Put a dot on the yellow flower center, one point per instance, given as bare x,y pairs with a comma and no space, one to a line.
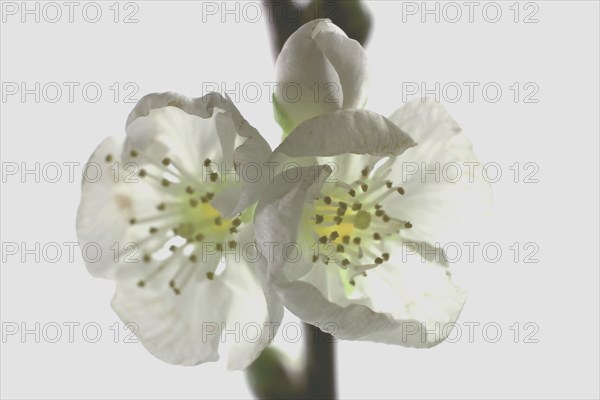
347,226
187,226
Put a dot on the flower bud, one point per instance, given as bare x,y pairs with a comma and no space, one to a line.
319,70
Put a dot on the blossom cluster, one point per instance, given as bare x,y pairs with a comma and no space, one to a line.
181,199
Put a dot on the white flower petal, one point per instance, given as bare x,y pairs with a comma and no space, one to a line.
189,131
179,329
186,328
413,288
256,311
278,213
253,315
346,131
110,197
436,203
349,60
319,70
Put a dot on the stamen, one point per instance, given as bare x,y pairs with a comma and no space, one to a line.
150,218
343,185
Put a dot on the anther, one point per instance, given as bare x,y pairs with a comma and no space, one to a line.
132,221
108,158
343,205
365,172
315,258
193,202
142,173
147,258
152,230
161,206
199,237
352,192
340,248
232,244
165,182
386,218
389,184
214,176
400,190
218,221
141,283
376,236
166,161
346,239
323,239
345,262
210,275
364,187
193,258
408,225
327,200
207,162
173,248
318,218
189,190
133,153
356,206
356,240
236,222
386,256
379,260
